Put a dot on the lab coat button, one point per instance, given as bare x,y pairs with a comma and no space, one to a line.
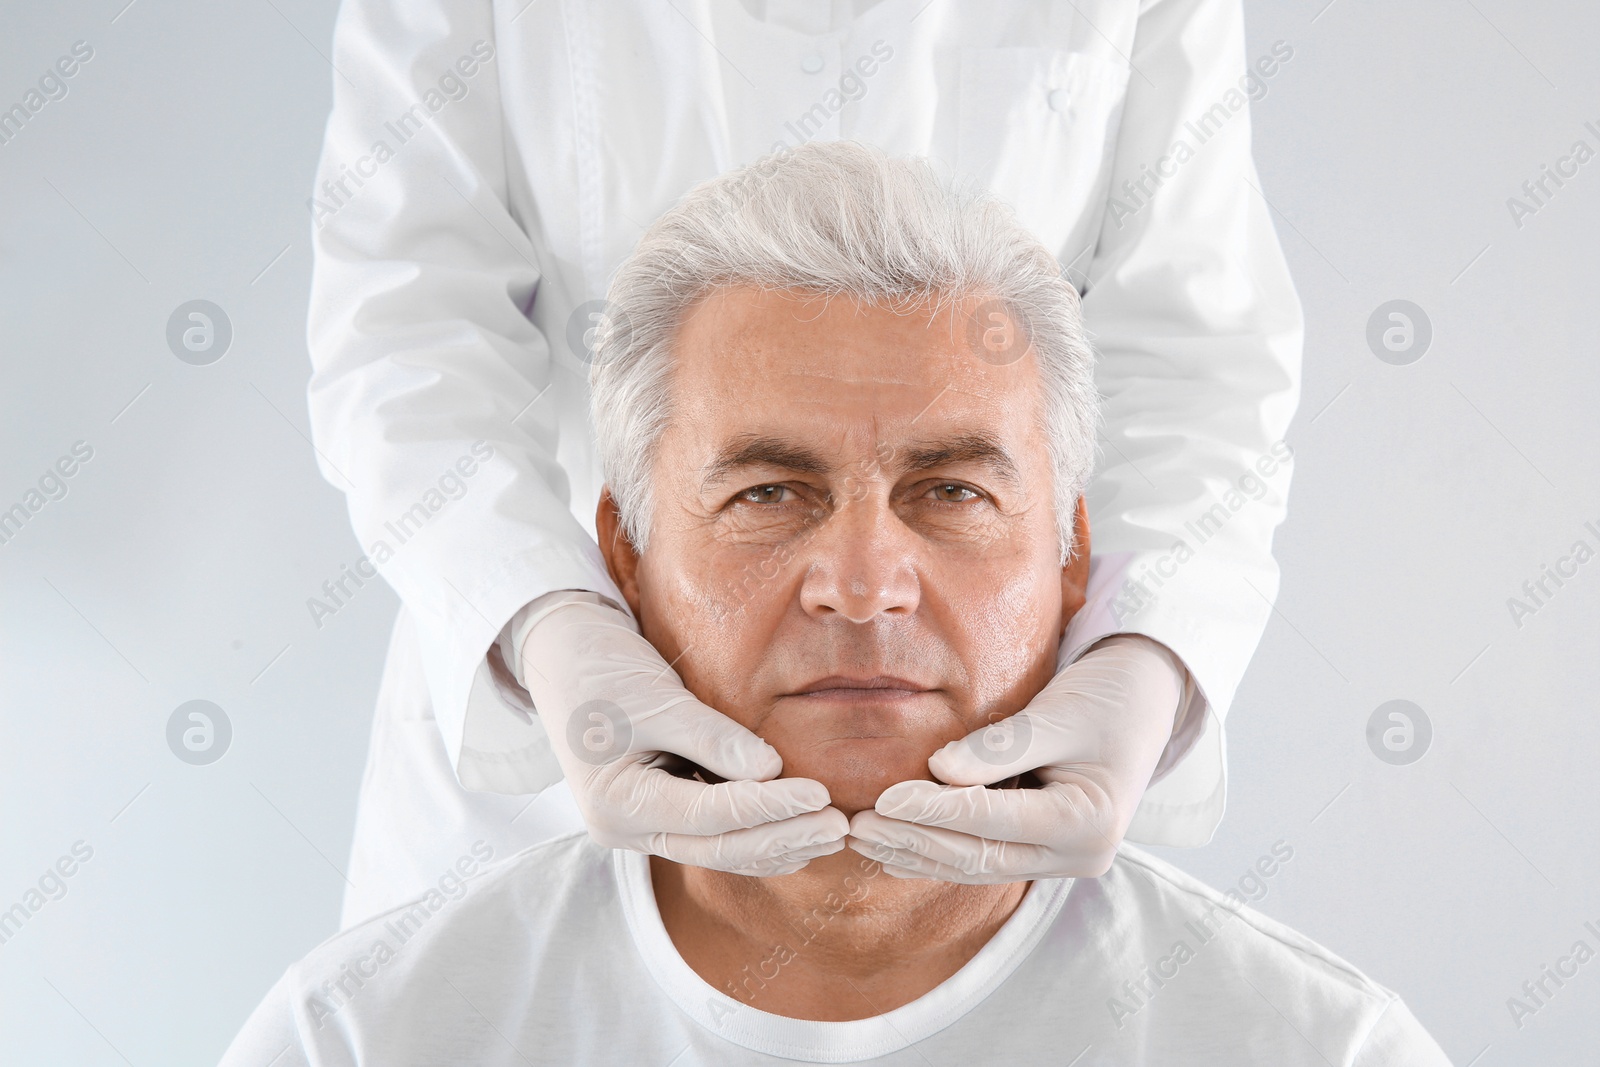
1058,99
811,64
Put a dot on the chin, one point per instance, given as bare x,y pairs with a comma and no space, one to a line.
857,770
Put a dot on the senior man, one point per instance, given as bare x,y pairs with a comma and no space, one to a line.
846,414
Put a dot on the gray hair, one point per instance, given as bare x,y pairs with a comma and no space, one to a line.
837,217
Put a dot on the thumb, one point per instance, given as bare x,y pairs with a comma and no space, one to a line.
991,753
706,736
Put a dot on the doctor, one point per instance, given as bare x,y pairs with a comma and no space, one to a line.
486,167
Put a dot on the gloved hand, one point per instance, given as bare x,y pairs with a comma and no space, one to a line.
1093,736
616,714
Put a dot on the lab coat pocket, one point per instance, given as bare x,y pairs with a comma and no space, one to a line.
1038,126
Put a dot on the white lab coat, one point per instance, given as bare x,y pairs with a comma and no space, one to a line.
488,165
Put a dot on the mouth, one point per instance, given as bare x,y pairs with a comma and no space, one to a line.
876,687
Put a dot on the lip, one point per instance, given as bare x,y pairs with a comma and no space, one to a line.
877,685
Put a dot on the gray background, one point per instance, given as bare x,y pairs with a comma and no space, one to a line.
178,565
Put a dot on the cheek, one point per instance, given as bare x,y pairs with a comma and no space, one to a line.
1004,618
712,588
713,614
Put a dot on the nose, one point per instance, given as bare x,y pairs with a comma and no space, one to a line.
860,563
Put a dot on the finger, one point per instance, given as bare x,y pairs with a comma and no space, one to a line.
796,840
1045,732
794,861
898,863
706,736
1102,711
651,800
1072,816
973,860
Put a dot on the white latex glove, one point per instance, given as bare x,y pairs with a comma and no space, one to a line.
616,713
1093,736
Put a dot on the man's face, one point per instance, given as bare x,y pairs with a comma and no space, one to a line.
854,549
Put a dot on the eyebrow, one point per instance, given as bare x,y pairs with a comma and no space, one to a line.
977,447
754,450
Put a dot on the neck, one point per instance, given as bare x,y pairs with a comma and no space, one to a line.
841,939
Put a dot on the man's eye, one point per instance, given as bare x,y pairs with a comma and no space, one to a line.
764,494
951,493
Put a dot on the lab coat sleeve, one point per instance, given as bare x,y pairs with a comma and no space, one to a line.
426,369
1398,1038
1198,329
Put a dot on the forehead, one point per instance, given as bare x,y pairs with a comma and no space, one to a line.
835,370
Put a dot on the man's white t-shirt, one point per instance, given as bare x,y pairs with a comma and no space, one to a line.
558,956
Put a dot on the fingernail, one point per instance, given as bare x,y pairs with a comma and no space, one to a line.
900,872
898,808
944,763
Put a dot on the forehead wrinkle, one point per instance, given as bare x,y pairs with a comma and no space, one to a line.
852,379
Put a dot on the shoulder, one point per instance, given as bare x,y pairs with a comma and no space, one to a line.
1237,963
363,985
1199,910
526,885
527,900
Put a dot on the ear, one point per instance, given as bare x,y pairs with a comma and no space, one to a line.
1075,575
622,560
